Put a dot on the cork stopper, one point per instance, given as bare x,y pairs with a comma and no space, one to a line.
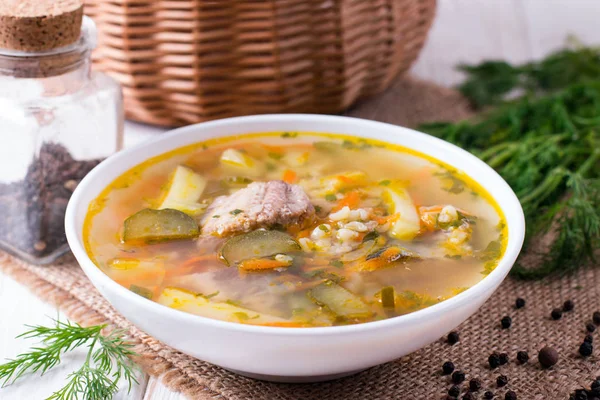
39,25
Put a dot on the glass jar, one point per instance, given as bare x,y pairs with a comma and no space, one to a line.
58,120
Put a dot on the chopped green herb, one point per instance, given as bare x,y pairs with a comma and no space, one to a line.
233,302
331,197
236,211
388,297
237,180
458,290
492,251
336,263
275,156
370,236
454,256
142,291
271,167
457,185
360,144
324,228
289,134
329,147
210,296
242,316
298,311
216,216
318,209
385,182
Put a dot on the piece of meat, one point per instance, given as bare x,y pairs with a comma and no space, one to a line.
259,205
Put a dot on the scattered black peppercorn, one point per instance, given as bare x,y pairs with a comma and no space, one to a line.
580,394
468,396
458,377
503,358
453,338
588,338
547,357
586,349
568,305
488,395
596,317
447,368
556,314
506,322
502,380
520,303
474,385
522,357
494,360
454,391
510,395
590,327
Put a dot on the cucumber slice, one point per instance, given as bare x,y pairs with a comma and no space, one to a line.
257,244
340,301
155,226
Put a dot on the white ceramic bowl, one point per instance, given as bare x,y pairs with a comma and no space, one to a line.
295,354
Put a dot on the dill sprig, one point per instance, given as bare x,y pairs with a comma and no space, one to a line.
546,145
489,82
107,361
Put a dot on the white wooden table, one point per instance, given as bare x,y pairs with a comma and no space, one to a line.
464,31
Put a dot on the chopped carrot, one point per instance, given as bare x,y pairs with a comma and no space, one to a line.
351,200
388,218
195,260
261,264
304,233
345,179
289,176
287,278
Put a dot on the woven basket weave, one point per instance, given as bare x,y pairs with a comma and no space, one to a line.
185,61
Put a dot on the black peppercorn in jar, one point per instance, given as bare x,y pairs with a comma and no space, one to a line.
59,119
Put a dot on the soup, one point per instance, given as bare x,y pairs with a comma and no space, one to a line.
295,230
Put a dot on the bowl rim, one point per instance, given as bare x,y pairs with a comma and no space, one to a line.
482,288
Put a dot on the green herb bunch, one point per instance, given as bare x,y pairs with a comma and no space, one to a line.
545,144
106,364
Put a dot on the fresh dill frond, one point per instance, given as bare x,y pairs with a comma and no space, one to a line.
107,361
545,144
490,82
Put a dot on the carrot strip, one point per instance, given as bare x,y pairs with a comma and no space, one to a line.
289,176
351,200
194,260
309,285
261,264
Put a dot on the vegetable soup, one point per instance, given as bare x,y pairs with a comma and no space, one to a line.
295,230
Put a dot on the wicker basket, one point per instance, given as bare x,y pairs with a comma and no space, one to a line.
185,61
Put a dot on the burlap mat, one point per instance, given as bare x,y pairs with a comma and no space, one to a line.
416,376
